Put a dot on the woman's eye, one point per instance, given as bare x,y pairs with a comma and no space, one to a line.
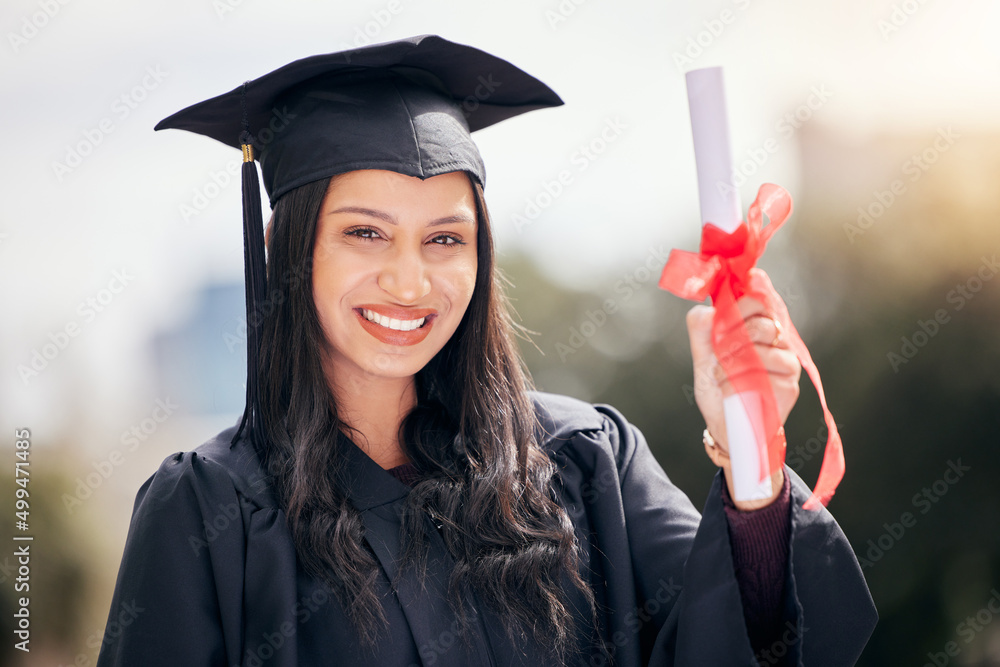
362,233
447,239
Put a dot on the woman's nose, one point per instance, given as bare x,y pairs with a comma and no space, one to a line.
404,277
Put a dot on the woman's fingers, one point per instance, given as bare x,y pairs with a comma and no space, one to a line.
707,392
780,363
777,363
699,321
764,334
711,381
765,330
762,327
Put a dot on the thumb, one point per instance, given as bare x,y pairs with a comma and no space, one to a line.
699,323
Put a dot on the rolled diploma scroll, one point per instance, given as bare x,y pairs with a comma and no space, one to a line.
720,205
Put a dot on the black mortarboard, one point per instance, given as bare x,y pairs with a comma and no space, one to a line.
406,106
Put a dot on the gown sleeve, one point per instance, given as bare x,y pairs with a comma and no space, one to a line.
830,610
180,573
759,540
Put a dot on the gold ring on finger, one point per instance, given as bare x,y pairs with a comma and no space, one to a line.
777,332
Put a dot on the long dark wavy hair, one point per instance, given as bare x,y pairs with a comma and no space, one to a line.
471,435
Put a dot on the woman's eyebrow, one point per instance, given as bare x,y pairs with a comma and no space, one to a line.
387,218
372,213
447,220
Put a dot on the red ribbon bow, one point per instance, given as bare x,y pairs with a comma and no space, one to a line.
725,270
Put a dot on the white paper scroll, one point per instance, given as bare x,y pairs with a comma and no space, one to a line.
720,205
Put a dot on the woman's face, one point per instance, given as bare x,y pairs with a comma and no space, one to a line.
394,269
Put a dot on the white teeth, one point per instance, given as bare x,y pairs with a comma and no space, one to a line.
388,323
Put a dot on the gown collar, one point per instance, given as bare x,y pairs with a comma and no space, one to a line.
370,485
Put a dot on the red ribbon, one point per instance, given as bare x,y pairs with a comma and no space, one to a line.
725,270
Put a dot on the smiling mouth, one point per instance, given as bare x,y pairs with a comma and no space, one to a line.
391,323
394,331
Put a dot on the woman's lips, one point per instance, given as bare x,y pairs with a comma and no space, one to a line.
396,326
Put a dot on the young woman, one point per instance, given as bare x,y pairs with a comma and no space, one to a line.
396,493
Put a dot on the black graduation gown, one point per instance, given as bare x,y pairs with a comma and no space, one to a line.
209,574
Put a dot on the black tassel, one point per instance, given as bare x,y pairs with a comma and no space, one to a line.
256,291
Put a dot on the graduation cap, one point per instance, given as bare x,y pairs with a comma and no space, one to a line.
406,106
